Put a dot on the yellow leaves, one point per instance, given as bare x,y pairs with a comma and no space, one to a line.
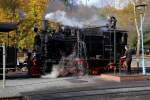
33,9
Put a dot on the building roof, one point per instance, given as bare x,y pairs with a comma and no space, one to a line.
7,27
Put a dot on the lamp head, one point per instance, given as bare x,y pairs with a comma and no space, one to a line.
140,7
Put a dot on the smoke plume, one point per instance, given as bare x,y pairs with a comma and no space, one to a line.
77,16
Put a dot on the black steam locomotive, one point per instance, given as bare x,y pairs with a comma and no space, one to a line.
98,46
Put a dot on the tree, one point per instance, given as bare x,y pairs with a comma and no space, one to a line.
33,10
125,20
138,32
146,26
10,7
128,20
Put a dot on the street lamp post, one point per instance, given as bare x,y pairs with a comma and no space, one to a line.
141,9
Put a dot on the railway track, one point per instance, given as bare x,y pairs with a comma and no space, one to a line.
86,94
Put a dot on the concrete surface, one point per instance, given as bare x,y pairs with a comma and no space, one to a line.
46,88
60,88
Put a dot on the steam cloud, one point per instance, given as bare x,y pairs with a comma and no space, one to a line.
64,19
77,15
61,17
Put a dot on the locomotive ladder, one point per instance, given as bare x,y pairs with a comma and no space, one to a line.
81,50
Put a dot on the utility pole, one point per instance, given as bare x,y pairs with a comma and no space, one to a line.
86,2
142,44
4,65
140,8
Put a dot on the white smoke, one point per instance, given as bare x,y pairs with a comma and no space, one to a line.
64,19
61,17
54,73
95,20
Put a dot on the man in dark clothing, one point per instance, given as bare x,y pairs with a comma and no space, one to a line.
128,57
112,22
37,42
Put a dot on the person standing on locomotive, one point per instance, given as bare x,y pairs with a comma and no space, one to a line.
128,57
112,21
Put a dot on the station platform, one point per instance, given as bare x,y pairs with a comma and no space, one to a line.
30,88
124,77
